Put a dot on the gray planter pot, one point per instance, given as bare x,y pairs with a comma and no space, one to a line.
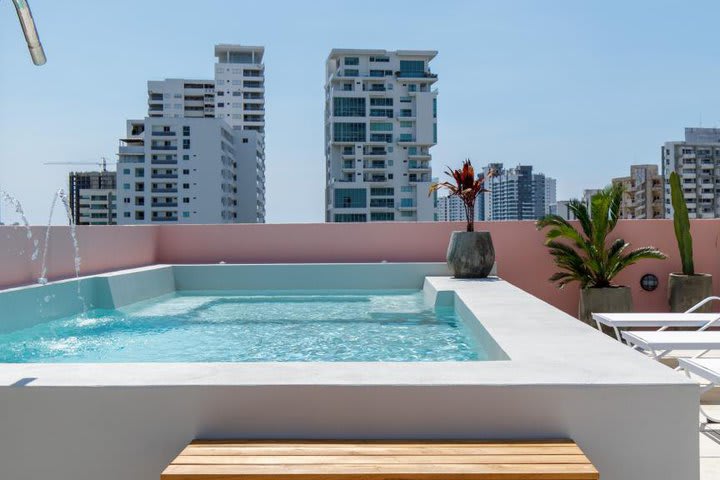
603,300
470,254
684,291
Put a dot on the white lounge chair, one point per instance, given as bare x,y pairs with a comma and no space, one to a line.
661,321
660,344
709,370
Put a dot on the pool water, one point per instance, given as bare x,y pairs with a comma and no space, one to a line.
355,326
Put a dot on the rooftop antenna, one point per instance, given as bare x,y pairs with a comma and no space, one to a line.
31,36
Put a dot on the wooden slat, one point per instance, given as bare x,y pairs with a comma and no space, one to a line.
385,472
364,443
373,450
381,460
374,460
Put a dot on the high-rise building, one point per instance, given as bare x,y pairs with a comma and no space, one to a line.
517,193
642,193
380,123
93,198
188,170
452,209
231,107
240,86
695,160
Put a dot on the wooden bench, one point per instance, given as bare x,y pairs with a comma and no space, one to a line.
380,460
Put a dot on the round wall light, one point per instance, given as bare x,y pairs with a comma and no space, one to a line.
649,282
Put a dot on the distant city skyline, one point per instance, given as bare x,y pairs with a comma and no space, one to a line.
572,88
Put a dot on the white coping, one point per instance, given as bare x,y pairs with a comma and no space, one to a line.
545,347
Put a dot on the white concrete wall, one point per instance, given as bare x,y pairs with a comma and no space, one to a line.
73,433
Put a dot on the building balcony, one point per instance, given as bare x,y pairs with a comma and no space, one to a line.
162,134
163,147
164,219
164,175
132,150
164,190
164,162
163,204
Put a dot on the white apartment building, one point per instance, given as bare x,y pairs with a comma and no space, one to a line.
93,198
452,209
187,170
517,193
240,86
697,161
642,193
380,123
237,97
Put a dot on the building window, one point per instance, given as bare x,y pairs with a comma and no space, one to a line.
186,171
350,198
350,217
412,68
348,107
245,140
186,185
352,72
349,132
186,199
406,124
381,127
381,216
126,186
381,102
186,214
186,131
352,60
126,214
186,143
434,107
126,171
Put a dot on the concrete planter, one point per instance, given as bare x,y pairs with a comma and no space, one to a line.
599,300
470,254
684,291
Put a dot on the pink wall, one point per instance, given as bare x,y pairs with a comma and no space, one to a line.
522,258
102,249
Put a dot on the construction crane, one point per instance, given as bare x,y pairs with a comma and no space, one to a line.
103,163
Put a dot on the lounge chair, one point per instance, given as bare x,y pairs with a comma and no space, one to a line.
661,321
706,368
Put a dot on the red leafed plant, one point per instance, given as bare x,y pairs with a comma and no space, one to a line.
467,186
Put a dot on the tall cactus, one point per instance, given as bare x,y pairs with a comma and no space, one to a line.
682,225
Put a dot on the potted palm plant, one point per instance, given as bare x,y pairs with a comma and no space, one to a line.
470,254
687,288
587,256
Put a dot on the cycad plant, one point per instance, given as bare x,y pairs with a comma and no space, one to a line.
466,186
586,255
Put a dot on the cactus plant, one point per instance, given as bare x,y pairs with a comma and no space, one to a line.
682,225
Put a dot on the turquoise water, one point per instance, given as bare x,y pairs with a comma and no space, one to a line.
259,327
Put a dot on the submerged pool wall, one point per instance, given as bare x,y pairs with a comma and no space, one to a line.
23,307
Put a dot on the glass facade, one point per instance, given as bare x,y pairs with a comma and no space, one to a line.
381,127
382,192
349,132
348,107
350,217
352,60
350,198
382,216
412,68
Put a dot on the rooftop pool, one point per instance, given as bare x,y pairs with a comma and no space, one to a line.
253,326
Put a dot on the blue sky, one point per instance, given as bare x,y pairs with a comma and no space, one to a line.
580,90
